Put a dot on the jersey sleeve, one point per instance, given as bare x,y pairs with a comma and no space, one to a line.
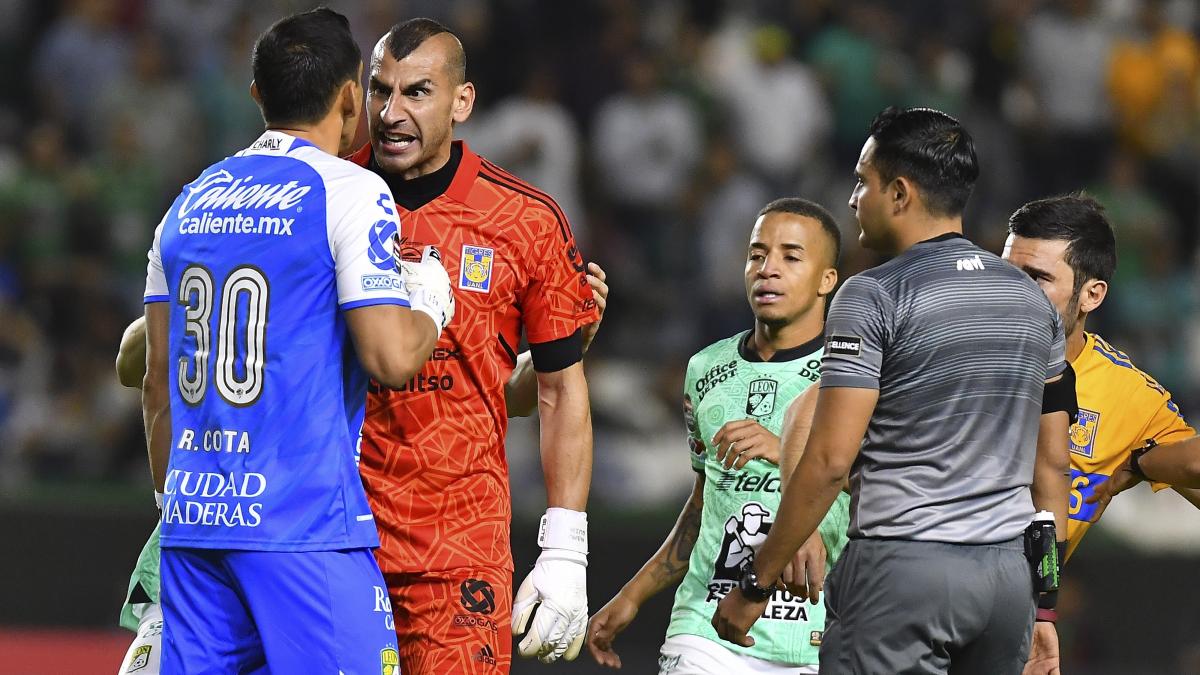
557,300
363,226
856,334
694,441
1166,423
1058,347
156,279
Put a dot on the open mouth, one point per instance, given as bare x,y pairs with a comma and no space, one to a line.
767,296
396,142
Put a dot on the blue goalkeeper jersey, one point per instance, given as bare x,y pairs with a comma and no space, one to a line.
258,258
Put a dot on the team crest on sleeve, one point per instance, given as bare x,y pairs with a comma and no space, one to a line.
1083,432
475,272
760,402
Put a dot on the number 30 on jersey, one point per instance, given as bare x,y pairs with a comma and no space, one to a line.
245,289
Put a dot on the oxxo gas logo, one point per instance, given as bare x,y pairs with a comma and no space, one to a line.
479,598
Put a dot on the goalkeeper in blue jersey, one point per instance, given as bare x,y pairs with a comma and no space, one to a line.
736,395
272,293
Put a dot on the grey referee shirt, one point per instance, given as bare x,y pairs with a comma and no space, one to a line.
959,344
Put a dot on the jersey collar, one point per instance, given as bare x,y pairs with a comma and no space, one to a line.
275,143
453,180
781,356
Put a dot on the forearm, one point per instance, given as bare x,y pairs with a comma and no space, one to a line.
1174,463
1051,488
156,414
521,390
667,567
811,490
566,437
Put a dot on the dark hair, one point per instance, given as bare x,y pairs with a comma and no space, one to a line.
1080,221
407,36
299,64
931,149
809,209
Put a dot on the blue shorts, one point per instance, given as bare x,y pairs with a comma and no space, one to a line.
275,612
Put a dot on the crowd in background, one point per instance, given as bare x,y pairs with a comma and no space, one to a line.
661,126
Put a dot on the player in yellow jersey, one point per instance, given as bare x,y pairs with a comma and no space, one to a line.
1066,244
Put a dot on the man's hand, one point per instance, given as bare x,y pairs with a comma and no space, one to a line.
740,441
1043,653
595,278
1122,479
734,617
428,286
551,604
804,576
606,625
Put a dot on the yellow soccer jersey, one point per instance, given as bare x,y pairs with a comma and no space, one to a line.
1119,408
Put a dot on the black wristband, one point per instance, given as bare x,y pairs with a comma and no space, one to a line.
1048,600
1135,457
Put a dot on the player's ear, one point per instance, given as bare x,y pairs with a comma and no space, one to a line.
829,279
254,94
464,102
348,100
901,191
1092,295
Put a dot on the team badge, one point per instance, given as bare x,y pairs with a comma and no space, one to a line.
814,638
1083,433
141,658
389,660
761,400
476,268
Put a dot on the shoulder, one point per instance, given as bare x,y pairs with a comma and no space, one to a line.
534,204
342,177
1117,370
722,350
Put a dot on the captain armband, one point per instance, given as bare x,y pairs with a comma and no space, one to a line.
1059,395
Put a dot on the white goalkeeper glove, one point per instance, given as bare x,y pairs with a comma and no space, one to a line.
551,603
428,286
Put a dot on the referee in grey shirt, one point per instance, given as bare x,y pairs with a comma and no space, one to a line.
936,365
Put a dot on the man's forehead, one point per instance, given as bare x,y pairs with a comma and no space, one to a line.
1046,250
423,60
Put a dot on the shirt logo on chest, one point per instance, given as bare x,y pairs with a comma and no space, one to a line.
475,272
760,402
1083,433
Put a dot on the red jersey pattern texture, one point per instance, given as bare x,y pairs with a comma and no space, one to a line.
433,456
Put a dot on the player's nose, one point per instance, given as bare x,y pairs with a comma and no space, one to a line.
393,112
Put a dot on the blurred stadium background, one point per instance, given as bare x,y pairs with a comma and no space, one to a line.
661,126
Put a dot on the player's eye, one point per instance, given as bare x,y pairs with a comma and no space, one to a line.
755,257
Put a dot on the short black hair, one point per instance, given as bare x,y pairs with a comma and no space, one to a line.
407,36
810,209
930,148
299,64
1079,220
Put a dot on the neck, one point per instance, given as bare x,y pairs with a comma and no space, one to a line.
429,166
925,229
1075,341
768,339
326,134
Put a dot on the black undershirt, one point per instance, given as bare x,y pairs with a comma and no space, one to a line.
414,193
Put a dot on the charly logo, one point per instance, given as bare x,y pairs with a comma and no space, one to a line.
380,249
219,190
477,596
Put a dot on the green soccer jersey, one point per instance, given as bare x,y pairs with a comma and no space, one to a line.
728,382
145,574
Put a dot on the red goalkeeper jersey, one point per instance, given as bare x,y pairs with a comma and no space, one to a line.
433,451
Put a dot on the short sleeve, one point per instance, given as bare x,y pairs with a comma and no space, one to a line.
1058,347
856,334
363,226
557,300
1166,423
156,279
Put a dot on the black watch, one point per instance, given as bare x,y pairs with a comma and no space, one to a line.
749,587
1135,457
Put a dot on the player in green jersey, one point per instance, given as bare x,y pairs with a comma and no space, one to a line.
736,394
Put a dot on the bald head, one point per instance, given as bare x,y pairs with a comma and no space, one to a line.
406,37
